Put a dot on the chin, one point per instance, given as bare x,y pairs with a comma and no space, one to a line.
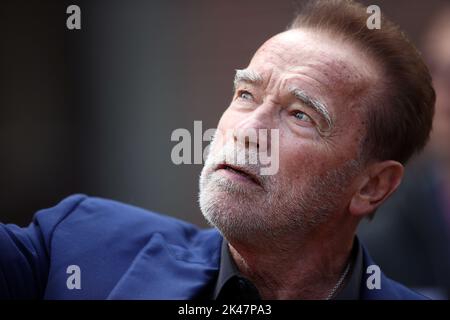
234,214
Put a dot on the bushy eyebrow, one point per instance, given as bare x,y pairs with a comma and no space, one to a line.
315,104
253,77
248,76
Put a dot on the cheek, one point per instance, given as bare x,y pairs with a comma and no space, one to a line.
299,160
302,160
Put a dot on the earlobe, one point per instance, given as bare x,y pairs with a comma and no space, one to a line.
380,181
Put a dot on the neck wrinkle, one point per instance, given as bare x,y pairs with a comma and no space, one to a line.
302,269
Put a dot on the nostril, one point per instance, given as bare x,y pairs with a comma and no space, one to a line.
247,138
247,142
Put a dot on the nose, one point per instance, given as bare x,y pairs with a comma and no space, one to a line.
254,129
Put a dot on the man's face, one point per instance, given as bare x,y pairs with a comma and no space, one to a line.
318,157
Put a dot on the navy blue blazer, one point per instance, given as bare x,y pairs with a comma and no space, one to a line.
123,252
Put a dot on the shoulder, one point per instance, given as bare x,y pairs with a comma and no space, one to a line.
86,224
92,213
106,239
401,292
385,288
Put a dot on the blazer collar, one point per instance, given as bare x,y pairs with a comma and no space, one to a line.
162,270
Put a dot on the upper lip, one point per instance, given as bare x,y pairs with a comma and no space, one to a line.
241,170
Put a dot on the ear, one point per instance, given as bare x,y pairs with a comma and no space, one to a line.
379,181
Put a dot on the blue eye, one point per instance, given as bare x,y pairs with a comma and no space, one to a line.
245,95
302,116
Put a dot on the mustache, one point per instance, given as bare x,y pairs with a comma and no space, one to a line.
247,149
245,159
233,153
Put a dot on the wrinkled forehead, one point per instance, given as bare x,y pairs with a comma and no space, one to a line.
329,63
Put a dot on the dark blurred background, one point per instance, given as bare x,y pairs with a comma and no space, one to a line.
92,110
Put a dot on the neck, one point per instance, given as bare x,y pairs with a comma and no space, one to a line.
307,267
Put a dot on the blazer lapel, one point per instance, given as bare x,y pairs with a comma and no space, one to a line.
165,271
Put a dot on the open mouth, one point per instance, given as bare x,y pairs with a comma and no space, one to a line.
241,172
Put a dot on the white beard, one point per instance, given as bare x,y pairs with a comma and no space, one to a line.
251,215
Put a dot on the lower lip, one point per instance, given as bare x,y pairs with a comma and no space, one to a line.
236,176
